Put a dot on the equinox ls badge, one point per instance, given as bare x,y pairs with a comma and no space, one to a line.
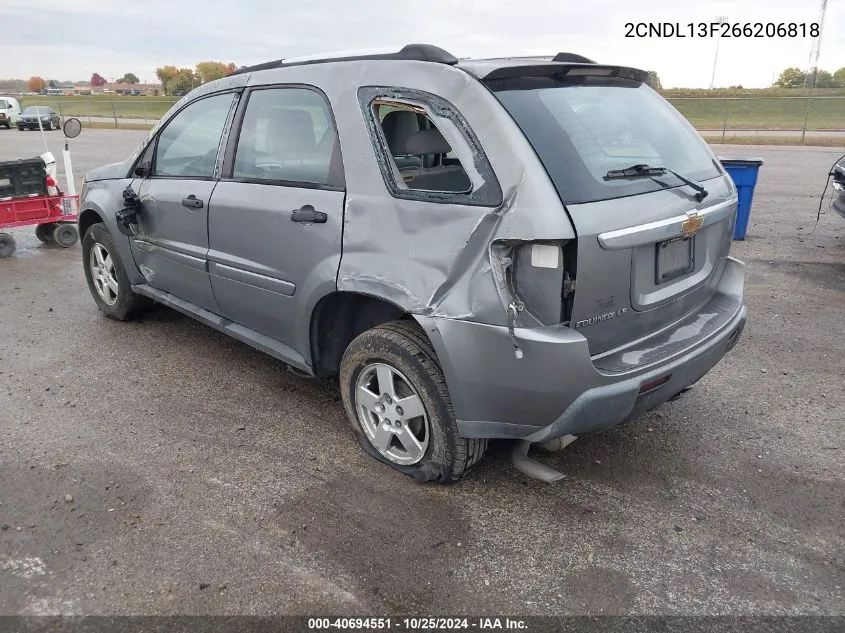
601,317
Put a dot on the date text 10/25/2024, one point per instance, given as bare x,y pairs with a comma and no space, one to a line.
722,29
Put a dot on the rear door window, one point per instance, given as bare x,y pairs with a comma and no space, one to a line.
288,136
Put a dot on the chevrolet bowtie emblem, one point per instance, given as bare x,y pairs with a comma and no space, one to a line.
692,224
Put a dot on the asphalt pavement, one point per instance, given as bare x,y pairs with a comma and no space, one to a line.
159,467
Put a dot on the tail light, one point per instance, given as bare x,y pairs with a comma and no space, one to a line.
543,277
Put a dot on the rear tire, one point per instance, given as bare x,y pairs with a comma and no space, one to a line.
65,235
400,350
123,304
7,245
44,232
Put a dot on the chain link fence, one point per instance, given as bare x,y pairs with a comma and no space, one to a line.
727,118
120,112
796,119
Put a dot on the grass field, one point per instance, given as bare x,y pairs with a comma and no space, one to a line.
762,113
152,108
767,109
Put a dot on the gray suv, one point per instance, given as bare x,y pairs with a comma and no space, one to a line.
524,248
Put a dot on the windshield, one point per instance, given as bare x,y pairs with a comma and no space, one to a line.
583,128
36,110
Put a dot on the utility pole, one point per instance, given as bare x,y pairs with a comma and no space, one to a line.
815,49
814,55
722,19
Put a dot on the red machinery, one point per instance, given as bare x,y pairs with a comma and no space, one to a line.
29,195
54,218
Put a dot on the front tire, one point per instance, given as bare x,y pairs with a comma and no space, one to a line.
106,276
396,398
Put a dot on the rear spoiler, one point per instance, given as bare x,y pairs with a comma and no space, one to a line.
557,69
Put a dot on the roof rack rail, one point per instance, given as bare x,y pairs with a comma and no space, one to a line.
412,52
572,58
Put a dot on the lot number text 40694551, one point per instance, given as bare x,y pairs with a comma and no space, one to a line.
721,29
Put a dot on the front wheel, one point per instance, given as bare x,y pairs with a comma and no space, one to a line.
396,398
106,276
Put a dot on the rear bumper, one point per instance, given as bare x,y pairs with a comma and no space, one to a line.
604,407
555,389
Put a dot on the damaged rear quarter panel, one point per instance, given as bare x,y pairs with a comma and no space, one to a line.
432,258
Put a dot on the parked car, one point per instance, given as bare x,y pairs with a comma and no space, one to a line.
468,255
10,110
28,119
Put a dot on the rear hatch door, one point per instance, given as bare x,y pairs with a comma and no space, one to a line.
649,251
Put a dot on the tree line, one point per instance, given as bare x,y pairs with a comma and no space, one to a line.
796,78
177,81
173,80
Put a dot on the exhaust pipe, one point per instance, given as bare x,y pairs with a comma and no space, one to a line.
533,468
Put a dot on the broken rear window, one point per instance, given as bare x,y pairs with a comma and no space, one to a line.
426,150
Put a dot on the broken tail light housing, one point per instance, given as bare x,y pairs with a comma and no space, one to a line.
543,277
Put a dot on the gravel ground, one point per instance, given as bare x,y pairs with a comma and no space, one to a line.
161,467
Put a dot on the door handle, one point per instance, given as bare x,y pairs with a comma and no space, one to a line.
307,213
192,202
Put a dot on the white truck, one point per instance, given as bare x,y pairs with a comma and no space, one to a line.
10,110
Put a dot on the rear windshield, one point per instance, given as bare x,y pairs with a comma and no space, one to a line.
584,127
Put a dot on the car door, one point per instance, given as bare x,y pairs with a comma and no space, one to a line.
171,244
276,218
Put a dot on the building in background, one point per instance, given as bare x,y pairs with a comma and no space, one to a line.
120,89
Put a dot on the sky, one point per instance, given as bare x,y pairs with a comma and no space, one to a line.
75,38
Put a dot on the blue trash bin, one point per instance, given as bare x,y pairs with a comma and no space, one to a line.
743,171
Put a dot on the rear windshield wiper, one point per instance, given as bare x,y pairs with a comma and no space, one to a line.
636,171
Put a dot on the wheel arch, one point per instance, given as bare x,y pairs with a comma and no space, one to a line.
87,219
94,213
338,318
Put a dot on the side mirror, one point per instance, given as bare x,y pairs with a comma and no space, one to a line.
126,217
